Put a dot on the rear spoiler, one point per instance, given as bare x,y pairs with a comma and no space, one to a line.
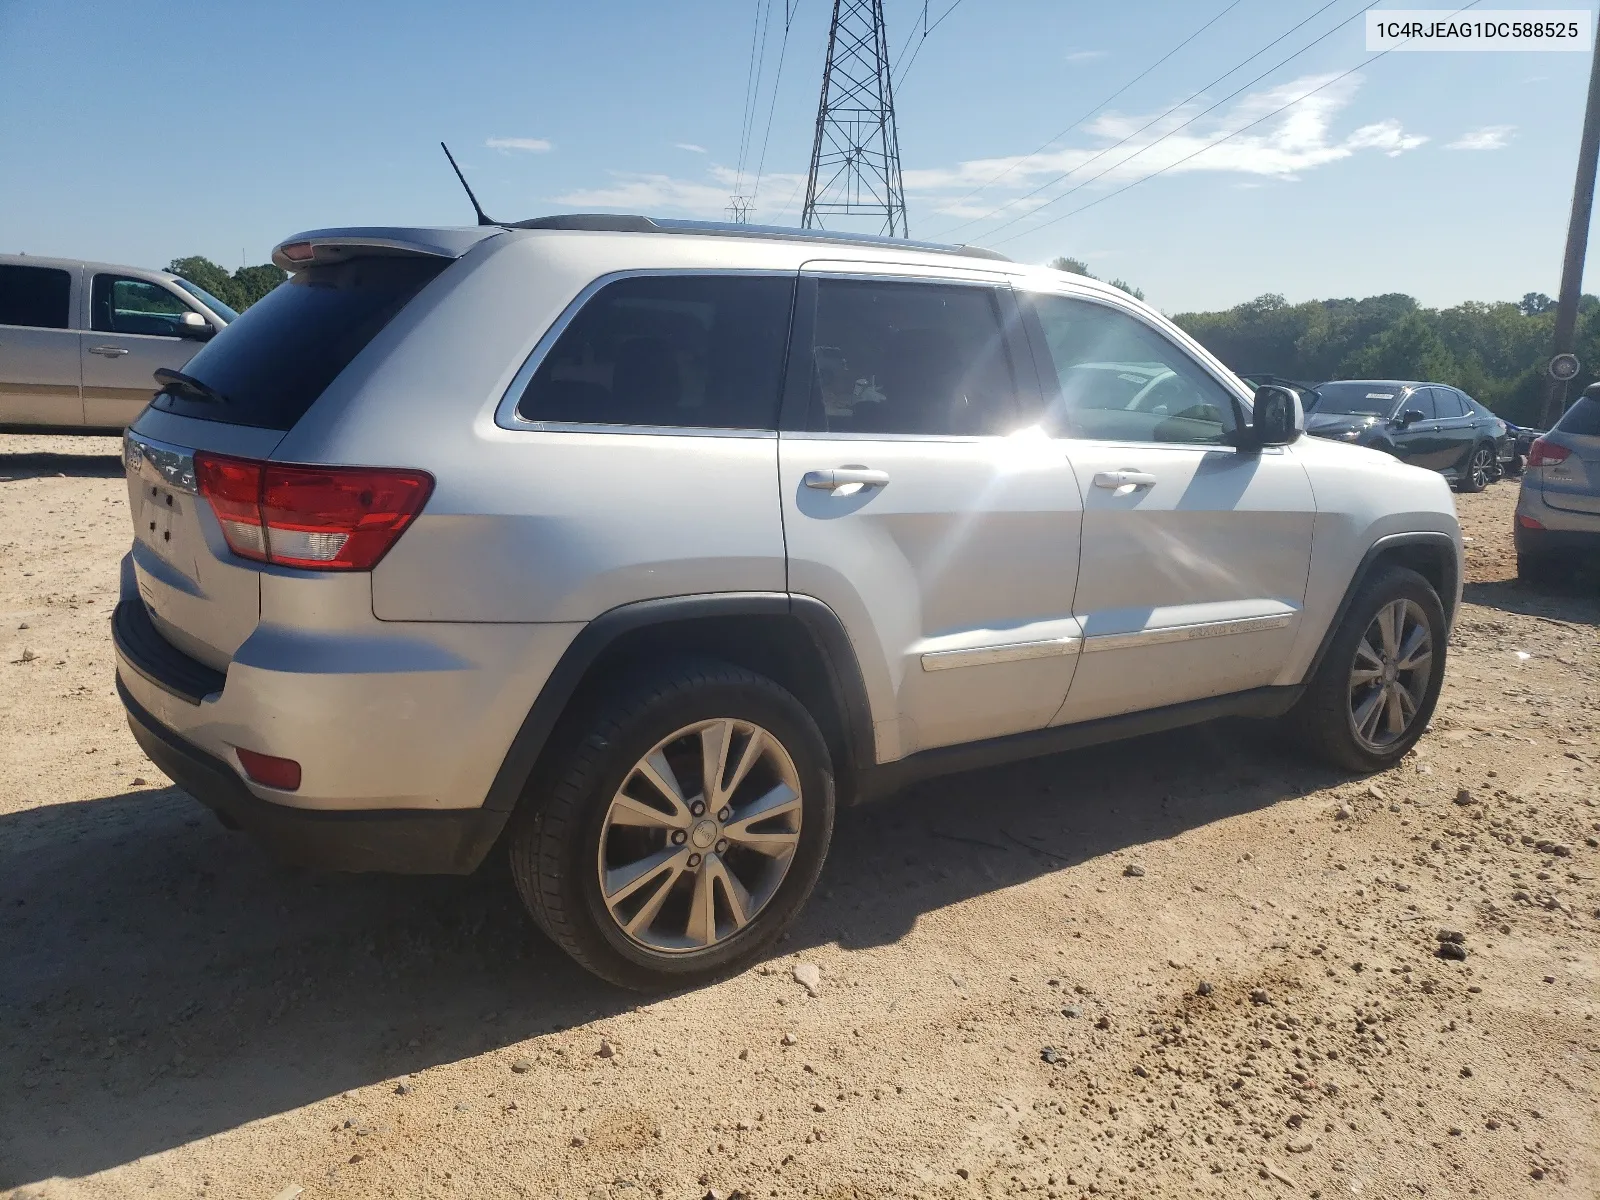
323,246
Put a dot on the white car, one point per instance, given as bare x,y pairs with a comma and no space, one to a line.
80,342
636,546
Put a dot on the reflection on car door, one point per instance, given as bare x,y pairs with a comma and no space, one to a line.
1195,555
946,542
133,331
1458,430
39,372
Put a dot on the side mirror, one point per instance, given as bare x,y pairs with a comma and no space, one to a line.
1276,418
192,325
1411,416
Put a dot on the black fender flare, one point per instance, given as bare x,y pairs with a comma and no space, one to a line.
1450,566
820,622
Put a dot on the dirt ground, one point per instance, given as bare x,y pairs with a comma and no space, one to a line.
1006,1005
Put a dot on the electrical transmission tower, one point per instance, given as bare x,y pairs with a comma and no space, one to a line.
855,159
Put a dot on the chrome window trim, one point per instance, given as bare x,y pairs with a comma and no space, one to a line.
869,276
505,413
978,656
159,462
1184,633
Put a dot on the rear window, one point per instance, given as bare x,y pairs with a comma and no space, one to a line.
279,356
687,351
1583,418
34,296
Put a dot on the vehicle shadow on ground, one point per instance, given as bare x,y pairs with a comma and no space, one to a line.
164,980
1573,601
38,465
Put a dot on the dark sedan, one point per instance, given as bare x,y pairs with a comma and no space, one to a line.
1427,424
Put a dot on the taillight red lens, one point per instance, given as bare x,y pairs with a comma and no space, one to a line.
1546,454
269,770
233,486
322,518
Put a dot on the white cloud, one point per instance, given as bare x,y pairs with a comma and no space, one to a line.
703,197
689,146
1283,146
1086,55
529,145
1490,137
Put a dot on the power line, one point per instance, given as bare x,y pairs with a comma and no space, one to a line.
788,20
926,30
1225,137
758,62
1162,116
1035,154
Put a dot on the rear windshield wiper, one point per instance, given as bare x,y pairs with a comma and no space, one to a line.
171,380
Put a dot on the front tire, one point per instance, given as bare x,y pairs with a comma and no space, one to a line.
683,832
1376,689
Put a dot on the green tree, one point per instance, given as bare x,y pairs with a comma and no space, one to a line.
239,290
1076,266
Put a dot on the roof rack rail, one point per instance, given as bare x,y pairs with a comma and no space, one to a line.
629,223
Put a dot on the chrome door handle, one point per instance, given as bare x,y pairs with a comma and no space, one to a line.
108,351
839,477
1118,479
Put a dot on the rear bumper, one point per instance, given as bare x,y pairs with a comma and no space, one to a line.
1556,541
405,841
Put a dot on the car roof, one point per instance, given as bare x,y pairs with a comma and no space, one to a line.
1388,383
72,264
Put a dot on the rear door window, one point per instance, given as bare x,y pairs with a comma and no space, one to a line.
909,358
1449,403
278,357
35,297
676,351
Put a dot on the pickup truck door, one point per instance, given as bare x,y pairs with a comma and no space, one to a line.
133,330
1195,554
39,371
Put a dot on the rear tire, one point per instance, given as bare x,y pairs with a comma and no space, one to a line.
1479,471
608,855
1365,707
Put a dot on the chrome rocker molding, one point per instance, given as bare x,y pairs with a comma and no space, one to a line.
1184,633
977,656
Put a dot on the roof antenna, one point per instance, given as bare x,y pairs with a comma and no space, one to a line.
483,217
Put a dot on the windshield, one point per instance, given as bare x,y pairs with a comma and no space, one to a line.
206,298
1358,399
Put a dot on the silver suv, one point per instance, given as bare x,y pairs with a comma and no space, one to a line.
1558,508
638,546
80,341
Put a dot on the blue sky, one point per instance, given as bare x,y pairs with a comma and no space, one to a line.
138,133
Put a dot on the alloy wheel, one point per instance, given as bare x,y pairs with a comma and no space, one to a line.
1390,674
700,836
1481,466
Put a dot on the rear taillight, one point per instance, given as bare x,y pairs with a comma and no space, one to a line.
1546,454
321,518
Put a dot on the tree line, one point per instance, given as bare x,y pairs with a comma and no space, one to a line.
1495,352
239,290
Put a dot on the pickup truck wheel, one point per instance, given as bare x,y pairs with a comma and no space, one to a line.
1375,691
683,832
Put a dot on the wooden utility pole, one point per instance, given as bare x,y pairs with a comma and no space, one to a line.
1577,246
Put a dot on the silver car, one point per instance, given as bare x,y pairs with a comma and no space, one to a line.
80,341
1558,509
635,547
